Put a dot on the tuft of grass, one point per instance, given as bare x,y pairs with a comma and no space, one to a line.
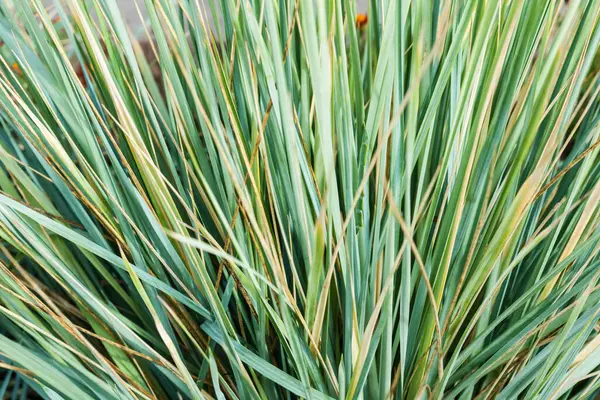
287,201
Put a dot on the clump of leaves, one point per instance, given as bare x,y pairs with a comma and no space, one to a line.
288,202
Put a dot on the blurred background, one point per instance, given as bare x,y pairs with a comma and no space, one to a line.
129,10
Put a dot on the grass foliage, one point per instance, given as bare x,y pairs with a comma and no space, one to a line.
293,205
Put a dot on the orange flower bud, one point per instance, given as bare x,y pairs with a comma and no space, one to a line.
361,20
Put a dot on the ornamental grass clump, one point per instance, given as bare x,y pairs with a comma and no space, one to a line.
265,199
